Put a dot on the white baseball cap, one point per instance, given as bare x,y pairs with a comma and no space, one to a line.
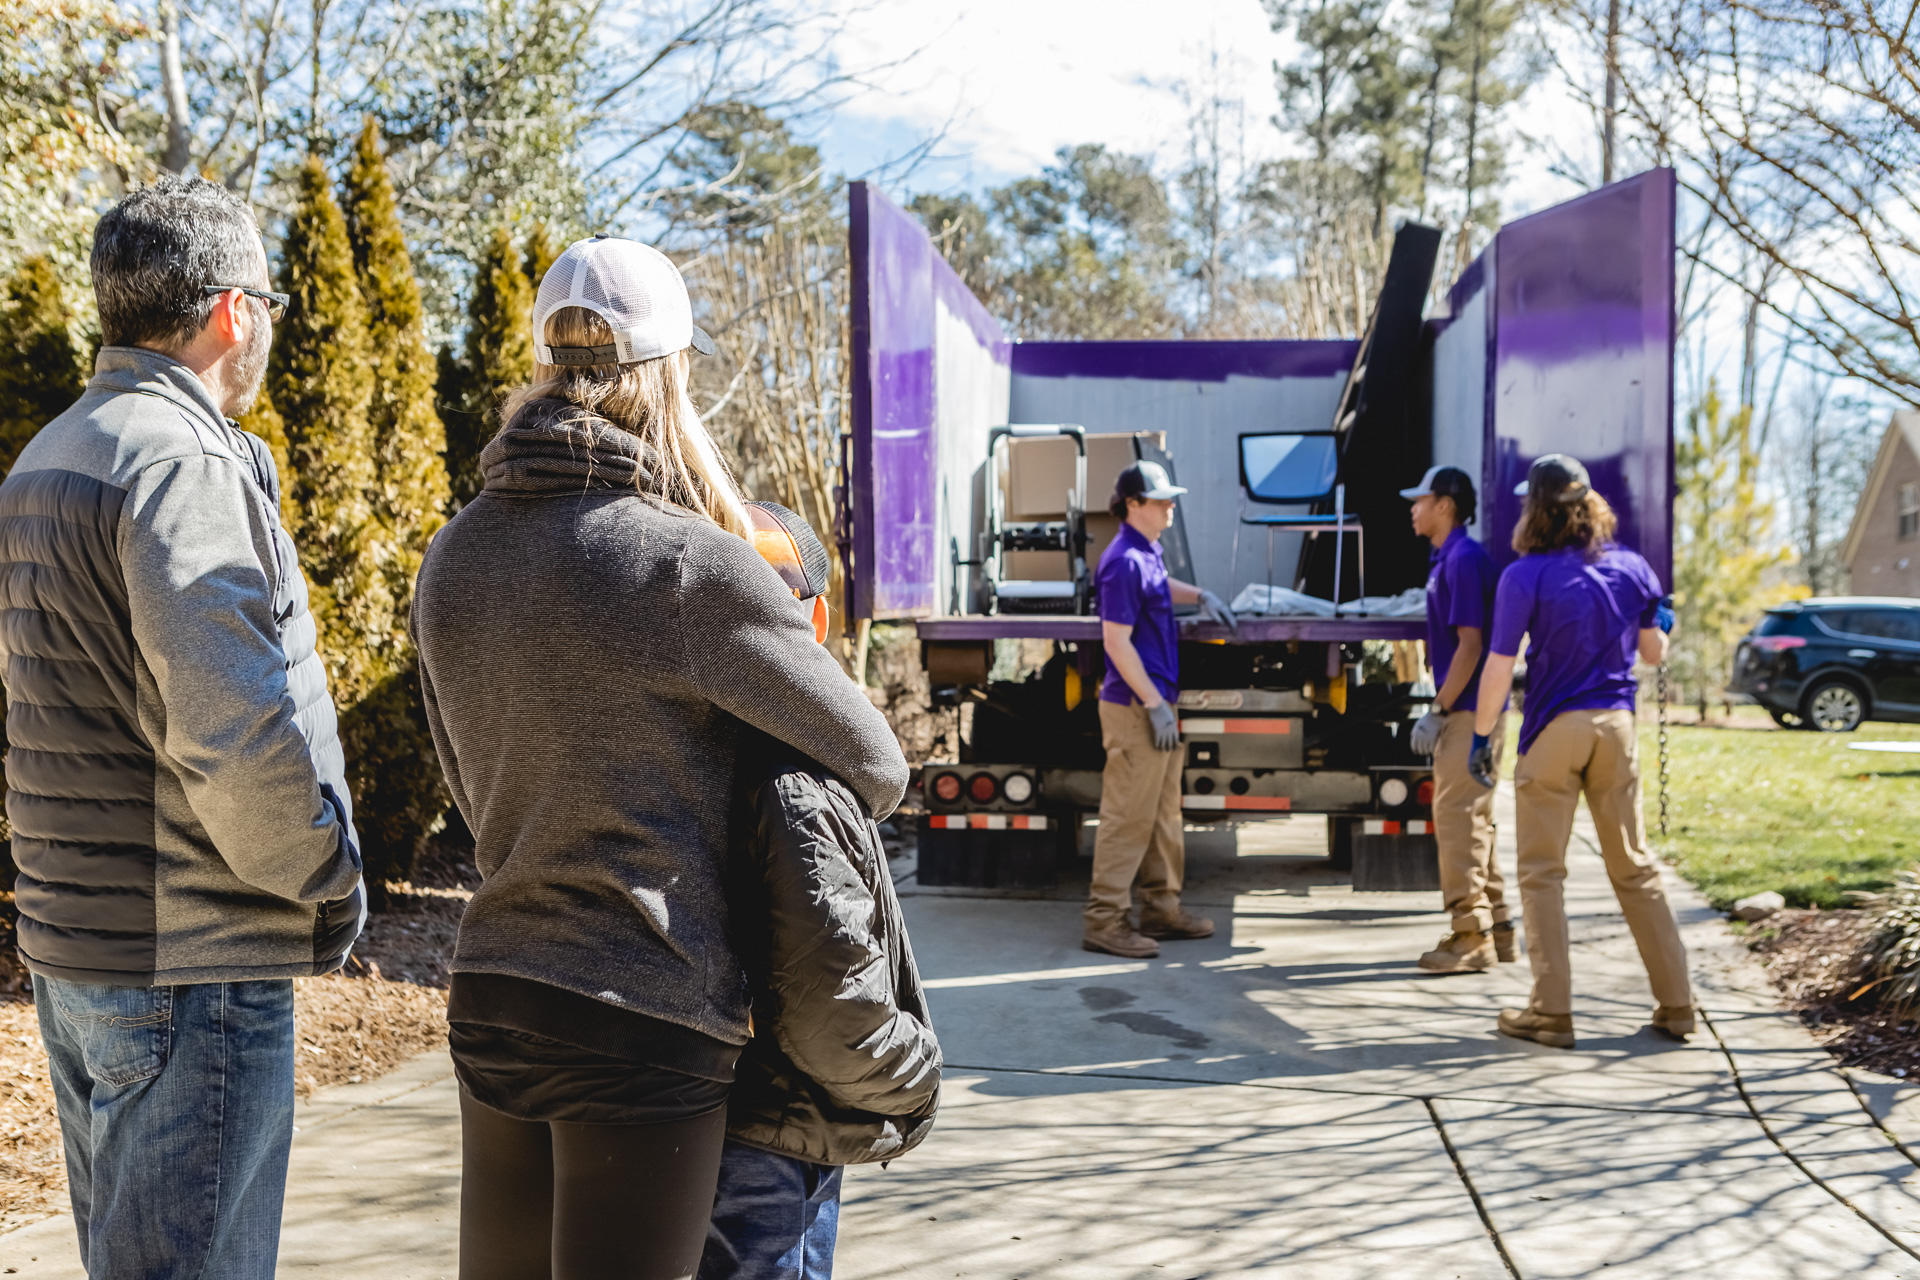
634,287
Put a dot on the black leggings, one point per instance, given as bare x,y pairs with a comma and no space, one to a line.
545,1200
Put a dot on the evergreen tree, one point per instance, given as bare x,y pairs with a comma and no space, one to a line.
499,358
321,380
40,372
397,786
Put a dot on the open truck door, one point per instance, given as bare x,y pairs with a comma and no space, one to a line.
1559,337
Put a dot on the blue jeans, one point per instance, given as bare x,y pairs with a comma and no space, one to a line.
176,1108
774,1218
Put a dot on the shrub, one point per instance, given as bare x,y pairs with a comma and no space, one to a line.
1892,956
498,359
399,793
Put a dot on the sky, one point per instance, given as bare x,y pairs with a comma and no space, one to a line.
1010,81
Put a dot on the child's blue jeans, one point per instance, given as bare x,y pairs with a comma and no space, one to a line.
774,1218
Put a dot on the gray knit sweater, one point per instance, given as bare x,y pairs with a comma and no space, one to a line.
588,656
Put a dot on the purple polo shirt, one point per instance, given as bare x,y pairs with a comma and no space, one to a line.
1459,594
1583,620
1133,590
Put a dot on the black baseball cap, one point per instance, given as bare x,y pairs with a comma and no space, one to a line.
1556,477
1442,482
1145,480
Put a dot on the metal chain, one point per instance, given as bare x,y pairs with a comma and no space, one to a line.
1664,757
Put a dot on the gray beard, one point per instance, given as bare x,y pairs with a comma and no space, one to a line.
249,370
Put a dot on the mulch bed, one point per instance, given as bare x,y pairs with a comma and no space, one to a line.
388,1005
1813,957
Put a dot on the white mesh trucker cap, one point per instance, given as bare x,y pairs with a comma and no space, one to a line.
634,287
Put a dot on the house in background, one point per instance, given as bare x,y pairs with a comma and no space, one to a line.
1882,551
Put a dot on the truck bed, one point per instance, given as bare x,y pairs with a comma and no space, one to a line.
1253,630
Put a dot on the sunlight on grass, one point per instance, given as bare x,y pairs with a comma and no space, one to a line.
1755,809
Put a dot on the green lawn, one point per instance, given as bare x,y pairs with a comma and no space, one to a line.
1755,809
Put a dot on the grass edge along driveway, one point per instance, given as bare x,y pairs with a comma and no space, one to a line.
1755,808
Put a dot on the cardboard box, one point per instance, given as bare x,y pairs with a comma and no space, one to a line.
1039,472
1051,566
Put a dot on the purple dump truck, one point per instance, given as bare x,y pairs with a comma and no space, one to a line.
1558,338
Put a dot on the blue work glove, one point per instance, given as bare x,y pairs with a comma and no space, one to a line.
1480,761
1165,727
1212,606
1663,615
1425,738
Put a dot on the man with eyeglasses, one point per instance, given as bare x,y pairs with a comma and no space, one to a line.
175,781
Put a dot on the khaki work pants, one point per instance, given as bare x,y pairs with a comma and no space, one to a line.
1470,877
1140,832
1595,753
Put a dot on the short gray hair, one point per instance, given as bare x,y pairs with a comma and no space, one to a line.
155,252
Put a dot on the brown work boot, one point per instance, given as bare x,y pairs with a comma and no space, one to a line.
1460,952
1555,1030
1174,925
1506,948
1118,939
1674,1020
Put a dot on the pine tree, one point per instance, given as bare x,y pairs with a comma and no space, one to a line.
397,785
499,358
321,380
40,376
40,369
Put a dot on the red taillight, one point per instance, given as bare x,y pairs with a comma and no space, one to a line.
1424,793
1777,644
983,788
946,787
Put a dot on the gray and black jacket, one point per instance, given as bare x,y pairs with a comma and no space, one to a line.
843,1067
174,779
590,657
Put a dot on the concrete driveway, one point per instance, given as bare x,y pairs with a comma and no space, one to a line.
1289,1098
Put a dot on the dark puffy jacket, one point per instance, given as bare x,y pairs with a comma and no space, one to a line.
171,739
843,1067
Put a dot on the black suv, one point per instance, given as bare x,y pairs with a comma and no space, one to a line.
1830,664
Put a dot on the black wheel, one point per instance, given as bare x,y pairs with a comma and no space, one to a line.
1834,706
1340,833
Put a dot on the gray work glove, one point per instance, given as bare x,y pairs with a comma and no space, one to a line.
1165,727
1214,608
1425,738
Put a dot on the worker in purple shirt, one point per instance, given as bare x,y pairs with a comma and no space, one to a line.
1459,612
1588,608
1141,834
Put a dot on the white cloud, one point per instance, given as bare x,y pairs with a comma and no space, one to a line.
1012,80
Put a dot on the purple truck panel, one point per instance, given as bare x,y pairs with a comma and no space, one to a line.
1582,359
1184,361
894,483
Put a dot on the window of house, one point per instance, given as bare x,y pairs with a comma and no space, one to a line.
1909,511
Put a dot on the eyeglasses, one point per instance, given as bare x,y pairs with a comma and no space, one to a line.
276,302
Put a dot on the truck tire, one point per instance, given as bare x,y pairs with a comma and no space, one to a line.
1834,706
1340,833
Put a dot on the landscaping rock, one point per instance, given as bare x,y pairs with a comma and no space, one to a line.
1759,906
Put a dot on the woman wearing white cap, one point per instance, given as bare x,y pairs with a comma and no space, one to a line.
595,632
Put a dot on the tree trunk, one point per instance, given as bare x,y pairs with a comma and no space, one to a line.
1610,110
173,81
1473,108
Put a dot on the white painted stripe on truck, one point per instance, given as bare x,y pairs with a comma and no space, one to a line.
988,821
